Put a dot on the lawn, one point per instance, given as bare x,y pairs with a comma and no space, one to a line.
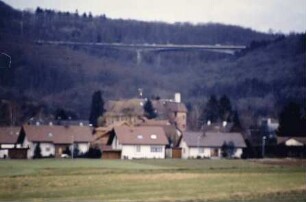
152,180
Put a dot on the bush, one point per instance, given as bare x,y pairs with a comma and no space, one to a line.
94,153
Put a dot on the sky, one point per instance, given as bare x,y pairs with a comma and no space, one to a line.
262,15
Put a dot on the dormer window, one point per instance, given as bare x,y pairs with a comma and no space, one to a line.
50,135
153,136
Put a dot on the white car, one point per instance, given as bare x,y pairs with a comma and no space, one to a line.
64,155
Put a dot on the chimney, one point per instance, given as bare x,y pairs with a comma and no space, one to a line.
37,123
50,123
208,122
177,97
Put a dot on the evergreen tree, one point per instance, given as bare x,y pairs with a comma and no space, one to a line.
60,114
291,122
225,108
236,122
97,108
211,111
37,151
149,110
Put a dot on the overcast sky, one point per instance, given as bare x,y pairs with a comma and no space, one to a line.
279,15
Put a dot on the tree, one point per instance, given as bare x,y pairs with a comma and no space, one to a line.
224,150
37,151
236,122
97,108
211,111
60,114
225,108
228,149
94,152
76,150
291,121
149,110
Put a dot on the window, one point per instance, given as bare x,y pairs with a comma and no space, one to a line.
138,148
156,149
201,150
153,136
48,149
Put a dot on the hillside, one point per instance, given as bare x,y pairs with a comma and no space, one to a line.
262,78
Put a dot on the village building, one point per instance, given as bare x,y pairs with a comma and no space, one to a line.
8,140
54,140
211,144
131,111
173,134
139,142
292,146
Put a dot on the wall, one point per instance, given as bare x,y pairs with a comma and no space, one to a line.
203,152
47,149
4,149
83,147
181,120
109,119
130,152
238,152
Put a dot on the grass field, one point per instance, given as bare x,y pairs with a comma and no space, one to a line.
152,180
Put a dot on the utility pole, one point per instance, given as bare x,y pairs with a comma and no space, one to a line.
72,152
263,146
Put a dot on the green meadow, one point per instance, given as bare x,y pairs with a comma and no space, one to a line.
152,180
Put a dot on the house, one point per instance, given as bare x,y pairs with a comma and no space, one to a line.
177,114
147,142
128,110
172,133
54,140
211,144
101,135
292,146
8,139
131,110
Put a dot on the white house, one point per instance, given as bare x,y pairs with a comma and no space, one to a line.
210,144
139,142
54,140
8,139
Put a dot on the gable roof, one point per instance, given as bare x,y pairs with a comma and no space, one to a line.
135,107
218,127
125,107
58,134
213,139
283,140
9,135
146,135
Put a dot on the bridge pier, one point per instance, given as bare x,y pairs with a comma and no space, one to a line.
158,59
138,56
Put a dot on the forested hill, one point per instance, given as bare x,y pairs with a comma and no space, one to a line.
52,25
43,78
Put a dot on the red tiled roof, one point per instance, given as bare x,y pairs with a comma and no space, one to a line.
213,139
58,134
141,135
9,135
